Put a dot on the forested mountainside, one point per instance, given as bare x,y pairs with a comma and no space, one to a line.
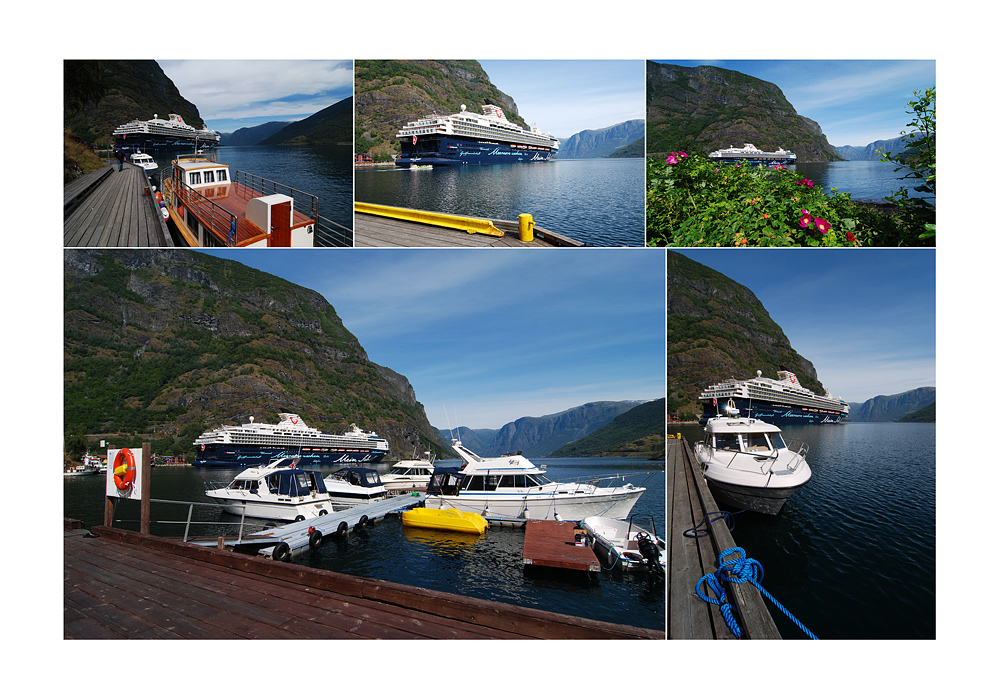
171,343
639,432
873,150
702,109
328,127
601,143
540,436
894,407
251,135
717,329
388,94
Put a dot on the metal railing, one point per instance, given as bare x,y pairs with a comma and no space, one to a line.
330,234
188,522
305,204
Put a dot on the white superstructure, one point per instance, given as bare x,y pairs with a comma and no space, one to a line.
491,125
783,390
174,127
290,431
752,153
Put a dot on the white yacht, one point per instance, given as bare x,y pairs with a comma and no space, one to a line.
754,155
747,464
352,486
512,487
409,474
144,161
278,491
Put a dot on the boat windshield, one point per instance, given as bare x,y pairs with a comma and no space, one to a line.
730,442
756,442
776,440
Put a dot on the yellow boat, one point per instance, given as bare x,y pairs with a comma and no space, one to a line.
450,519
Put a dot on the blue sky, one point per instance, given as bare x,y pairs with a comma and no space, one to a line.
567,97
864,318
855,102
489,336
234,94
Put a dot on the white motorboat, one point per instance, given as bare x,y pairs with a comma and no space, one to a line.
747,463
91,465
278,491
352,486
624,545
409,474
144,161
511,487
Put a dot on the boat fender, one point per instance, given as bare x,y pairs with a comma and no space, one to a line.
281,552
159,197
342,529
362,522
123,469
315,538
299,518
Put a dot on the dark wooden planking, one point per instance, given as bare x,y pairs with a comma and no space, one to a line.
117,212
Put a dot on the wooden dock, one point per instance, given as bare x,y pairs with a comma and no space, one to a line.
125,585
551,544
109,209
372,231
690,558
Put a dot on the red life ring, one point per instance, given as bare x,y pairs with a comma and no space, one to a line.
124,469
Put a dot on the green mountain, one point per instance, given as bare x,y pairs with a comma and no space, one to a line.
927,414
388,94
251,135
602,143
169,343
716,330
705,108
328,127
639,432
637,149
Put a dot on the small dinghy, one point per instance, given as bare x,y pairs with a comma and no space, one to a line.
448,519
623,544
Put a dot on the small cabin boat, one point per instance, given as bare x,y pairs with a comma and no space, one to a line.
447,519
144,161
624,545
409,474
208,208
352,486
278,491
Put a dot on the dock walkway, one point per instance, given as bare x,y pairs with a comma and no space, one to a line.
112,209
122,584
551,544
371,231
690,558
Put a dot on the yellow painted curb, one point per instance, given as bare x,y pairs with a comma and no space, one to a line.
463,223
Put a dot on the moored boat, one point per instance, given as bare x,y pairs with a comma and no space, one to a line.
89,465
353,486
279,491
155,133
748,465
144,161
624,545
208,208
409,474
446,519
753,155
781,401
511,487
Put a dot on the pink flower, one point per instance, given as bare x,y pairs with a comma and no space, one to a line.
778,166
850,237
804,181
822,225
683,154
672,159
805,219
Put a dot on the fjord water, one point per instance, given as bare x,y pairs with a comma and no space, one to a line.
487,567
324,171
852,553
599,201
864,180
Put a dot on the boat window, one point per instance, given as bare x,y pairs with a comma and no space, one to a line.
727,442
194,178
776,440
222,175
491,481
510,481
756,442
473,483
209,176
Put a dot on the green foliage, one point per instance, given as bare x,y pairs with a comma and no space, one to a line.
919,161
693,201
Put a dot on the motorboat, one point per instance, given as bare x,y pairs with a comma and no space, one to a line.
624,545
90,465
409,474
447,519
512,487
352,486
144,161
278,490
747,463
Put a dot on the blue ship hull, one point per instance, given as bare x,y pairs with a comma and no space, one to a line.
776,414
453,151
242,456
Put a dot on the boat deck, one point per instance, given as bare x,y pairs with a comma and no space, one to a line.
551,544
233,198
125,585
690,558
371,231
111,209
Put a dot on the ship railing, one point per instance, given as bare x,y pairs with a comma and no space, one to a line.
304,203
330,234
189,521
799,457
211,215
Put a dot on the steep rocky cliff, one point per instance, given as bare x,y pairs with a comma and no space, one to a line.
171,343
705,108
717,329
600,143
894,407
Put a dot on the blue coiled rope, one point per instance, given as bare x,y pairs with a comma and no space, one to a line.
739,570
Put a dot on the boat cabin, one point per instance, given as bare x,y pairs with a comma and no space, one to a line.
201,172
358,476
748,436
449,481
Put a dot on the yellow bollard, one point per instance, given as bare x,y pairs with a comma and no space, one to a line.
526,227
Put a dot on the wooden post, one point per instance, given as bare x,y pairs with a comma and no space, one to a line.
147,456
109,510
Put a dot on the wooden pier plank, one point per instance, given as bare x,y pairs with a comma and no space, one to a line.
550,544
116,212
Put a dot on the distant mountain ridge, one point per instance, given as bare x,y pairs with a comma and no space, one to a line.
540,436
639,431
892,408
871,151
601,143
328,127
252,135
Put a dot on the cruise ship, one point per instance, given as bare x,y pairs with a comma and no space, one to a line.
753,155
781,401
252,443
468,138
163,133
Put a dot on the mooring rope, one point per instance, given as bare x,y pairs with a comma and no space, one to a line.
739,570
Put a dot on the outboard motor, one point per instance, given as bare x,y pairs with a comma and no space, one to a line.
650,552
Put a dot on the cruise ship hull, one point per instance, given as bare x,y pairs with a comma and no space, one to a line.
454,151
756,160
242,456
775,414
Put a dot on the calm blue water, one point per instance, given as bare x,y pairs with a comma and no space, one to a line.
487,567
852,554
864,180
326,172
597,201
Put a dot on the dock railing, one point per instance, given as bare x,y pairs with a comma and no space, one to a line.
188,522
330,234
304,203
